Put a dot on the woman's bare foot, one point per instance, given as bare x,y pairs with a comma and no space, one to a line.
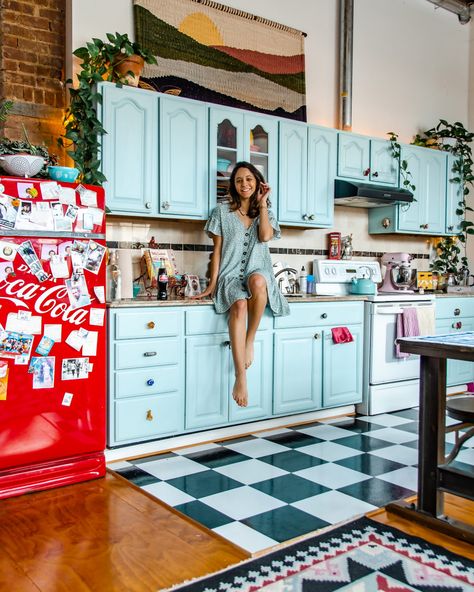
240,392
248,353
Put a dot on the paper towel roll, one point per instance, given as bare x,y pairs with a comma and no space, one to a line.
125,257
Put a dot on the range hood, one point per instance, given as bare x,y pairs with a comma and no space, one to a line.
363,195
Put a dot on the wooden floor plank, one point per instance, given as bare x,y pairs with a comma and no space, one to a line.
107,535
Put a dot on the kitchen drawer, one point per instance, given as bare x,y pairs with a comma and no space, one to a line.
153,381
205,321
144,418
454,307
334,314
135,324
146,353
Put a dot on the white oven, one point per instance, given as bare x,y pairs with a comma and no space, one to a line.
390,382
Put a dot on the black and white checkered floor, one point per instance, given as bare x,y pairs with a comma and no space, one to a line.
269,487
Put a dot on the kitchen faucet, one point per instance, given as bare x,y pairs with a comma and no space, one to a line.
293,289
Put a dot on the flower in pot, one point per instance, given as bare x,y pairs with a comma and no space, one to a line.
447,262
21,158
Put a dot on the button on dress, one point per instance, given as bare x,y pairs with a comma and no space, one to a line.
242,255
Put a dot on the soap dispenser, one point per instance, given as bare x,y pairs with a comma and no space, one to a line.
303,280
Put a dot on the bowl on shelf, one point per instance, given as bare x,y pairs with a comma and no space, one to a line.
63,173
22,165
223,164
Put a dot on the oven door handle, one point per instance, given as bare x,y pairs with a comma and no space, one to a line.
388,311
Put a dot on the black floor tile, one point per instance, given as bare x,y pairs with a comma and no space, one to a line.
292,460
217,457
411,427
293,439
200,485
376,492
370,464
363,443
235,440
290,488
204,514
358,426
303,426
284,523
137,476
407,413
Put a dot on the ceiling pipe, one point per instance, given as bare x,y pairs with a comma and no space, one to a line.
346,29
457,6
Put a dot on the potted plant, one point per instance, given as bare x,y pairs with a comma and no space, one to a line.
21,157
100,61
446,263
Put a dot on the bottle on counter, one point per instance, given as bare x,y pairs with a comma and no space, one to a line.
162,283
309,284
303,280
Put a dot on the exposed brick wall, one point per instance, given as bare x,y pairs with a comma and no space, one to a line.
32,42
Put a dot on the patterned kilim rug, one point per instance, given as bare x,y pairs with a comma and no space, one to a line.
360,556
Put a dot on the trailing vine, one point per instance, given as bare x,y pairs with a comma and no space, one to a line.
456,139
407,177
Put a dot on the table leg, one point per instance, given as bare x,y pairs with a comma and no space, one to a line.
431,436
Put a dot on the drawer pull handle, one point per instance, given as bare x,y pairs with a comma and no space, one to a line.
457,312
149,354
151,325
150,382
149,415
324,315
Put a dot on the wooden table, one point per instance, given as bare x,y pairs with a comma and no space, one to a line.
434,475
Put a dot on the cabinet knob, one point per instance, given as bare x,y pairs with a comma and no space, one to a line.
149,354
375,174
317,336
150,382
424,226
149,415
457,312
386,222
312,217
165,205
457,325
450,228
226,344
324,315
366,173
151,325
148,205
305,216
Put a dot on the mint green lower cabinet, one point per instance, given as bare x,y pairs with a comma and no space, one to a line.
210,379
342,369
207,380
457,371
297,370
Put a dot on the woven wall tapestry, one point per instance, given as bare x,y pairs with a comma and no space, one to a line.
219,54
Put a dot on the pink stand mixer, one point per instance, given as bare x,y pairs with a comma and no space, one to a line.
399,276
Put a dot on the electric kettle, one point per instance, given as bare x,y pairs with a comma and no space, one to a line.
362,286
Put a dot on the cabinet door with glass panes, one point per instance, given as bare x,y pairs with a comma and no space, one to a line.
236,136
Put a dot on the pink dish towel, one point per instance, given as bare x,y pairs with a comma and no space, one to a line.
341,335
407,326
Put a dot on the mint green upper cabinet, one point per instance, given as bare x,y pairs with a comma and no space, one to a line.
130,149
383,167
183,158
293,170
454,196
353,156
366,159
322,163
427,213
236,135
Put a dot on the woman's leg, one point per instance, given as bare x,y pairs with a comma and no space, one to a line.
237,326
256,305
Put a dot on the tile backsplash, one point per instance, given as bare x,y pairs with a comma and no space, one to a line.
296,248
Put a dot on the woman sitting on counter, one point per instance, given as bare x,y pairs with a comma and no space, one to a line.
242,280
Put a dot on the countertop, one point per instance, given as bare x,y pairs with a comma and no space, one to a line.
146,302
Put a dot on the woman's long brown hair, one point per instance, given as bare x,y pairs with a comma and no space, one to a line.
235,201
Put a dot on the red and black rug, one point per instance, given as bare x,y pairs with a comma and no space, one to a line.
361,556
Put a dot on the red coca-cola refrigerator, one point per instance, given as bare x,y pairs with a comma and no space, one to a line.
52,334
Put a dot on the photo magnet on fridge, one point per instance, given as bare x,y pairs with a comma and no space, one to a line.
44,346
77,292
93,257
3,380
8,250
13,344
74,368
8,211
43,372
7,270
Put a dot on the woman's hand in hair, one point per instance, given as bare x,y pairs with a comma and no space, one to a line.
262,197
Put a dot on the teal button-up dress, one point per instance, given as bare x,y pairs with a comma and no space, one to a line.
242,255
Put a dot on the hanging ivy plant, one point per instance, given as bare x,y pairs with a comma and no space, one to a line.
456,139
407,177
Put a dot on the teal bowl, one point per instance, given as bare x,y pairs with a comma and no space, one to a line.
63,174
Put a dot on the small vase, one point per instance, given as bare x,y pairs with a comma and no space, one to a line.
125,64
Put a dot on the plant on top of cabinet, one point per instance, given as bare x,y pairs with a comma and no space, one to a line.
100,61
407,177
455,139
